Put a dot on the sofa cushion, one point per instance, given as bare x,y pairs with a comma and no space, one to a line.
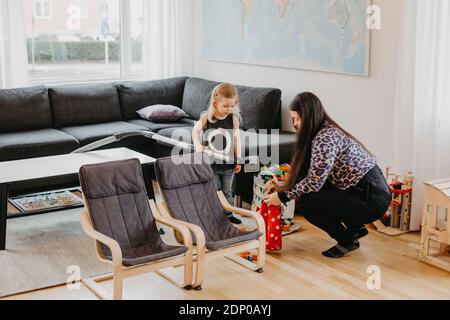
137,95
94,132
259,106
32,144
84,104
24,109
155,127
162,113
183,134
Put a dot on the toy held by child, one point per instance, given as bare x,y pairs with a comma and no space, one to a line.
218,131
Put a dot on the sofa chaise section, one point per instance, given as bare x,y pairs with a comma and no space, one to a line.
260,110
140,94
260,107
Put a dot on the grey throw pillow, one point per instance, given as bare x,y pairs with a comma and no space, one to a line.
162,113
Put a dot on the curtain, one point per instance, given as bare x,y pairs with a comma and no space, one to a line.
422,114
168,38
13,55
432,94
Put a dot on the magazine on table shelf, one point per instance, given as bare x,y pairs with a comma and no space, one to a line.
32,203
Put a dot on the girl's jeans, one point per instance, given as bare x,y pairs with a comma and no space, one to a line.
223,181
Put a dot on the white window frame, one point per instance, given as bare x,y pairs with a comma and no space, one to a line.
41,3
125,38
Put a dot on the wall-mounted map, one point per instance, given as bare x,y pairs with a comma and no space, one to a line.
325,35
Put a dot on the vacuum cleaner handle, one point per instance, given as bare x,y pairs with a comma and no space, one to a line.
251,163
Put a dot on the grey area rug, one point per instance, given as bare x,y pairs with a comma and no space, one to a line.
41,248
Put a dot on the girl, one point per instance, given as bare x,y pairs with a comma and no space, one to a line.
334,179
218,131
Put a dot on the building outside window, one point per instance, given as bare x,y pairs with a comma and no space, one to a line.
83,40
42,9
82,6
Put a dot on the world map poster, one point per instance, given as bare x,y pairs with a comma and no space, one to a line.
324,35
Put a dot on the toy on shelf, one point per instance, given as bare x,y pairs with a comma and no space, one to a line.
397,219
435,241
279,221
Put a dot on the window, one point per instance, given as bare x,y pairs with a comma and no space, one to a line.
86,41
42,9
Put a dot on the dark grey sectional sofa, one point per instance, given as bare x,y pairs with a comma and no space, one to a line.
42,121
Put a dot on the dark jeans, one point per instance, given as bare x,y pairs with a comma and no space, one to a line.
223,181
341,213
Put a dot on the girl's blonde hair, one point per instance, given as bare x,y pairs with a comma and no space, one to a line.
228,91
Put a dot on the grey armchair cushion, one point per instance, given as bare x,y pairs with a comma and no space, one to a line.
84,104
260,107
24,109
187,186
38,143
94,132
199,172
137,95
118,206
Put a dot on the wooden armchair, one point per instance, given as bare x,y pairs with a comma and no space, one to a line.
186,183
120,218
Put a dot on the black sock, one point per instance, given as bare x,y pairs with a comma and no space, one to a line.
360,233
339,251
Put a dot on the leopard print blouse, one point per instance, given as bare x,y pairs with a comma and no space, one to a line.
335,157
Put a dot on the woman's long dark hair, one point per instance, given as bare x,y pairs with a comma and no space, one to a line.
313,117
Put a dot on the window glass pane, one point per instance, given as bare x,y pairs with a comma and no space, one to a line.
84,9
37,9
70,48
82,6
46,9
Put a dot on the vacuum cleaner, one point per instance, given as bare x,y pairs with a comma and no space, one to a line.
250,164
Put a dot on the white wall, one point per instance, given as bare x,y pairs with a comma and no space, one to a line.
362,105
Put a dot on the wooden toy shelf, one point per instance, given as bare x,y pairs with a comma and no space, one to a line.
435,240
397,219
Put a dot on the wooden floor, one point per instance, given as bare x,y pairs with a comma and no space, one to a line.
298,272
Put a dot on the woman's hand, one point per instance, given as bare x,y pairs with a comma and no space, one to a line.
237,169
273,200
272,186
